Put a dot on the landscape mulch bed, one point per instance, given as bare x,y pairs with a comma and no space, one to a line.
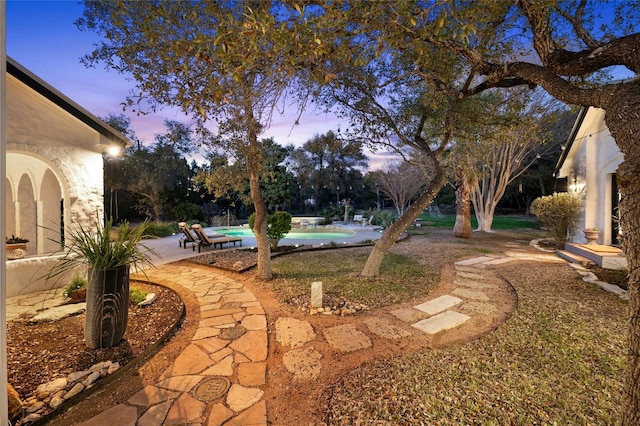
40,352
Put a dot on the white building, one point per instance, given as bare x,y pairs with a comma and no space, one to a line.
54,172
589,163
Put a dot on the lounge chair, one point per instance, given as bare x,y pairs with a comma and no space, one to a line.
187,235
205,240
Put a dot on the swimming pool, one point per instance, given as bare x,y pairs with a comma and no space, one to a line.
300,235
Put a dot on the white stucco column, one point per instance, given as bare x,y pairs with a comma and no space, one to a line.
4,412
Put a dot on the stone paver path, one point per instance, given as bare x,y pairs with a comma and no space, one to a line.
473,284
220,377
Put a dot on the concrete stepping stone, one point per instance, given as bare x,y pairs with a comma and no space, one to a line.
443,321
535,257
384,328
476,269
407,314
59,312
346,338
473,261
469,275
472,284
500,261
439,304
469,293
293,333
304,364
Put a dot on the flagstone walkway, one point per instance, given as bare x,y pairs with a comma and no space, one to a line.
220,376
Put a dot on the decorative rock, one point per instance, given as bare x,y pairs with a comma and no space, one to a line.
55,402
15,405
91,379
35,407
316,294
31,418
115,366
100,366
52,387
151,297
77,375
75,390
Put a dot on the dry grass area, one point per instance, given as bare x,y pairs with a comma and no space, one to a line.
558,360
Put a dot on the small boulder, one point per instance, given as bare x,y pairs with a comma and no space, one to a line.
15,404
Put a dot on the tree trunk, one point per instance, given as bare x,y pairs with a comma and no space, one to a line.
391,235
107,307
263,267
484,216
623,119
462,227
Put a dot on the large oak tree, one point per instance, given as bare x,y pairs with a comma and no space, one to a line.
226,62
557,46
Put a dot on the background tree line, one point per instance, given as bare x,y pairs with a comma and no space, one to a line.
161,181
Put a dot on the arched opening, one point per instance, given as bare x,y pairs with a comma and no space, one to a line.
27,213
51,214
10,209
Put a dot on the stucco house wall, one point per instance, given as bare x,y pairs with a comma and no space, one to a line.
54,173
589,163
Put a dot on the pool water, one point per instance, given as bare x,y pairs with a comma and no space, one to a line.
302,235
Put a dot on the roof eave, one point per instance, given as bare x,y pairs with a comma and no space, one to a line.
55,96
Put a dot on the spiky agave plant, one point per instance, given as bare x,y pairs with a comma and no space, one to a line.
104,247
109,254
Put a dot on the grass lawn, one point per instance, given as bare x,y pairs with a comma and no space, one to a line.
559,359
402,278
499,222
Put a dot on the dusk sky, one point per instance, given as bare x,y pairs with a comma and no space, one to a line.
42,36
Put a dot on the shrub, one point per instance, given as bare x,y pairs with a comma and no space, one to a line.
76,282
160,230
559,212
185,212
382,218
278,224
136,295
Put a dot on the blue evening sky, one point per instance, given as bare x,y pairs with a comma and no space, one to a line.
41,36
